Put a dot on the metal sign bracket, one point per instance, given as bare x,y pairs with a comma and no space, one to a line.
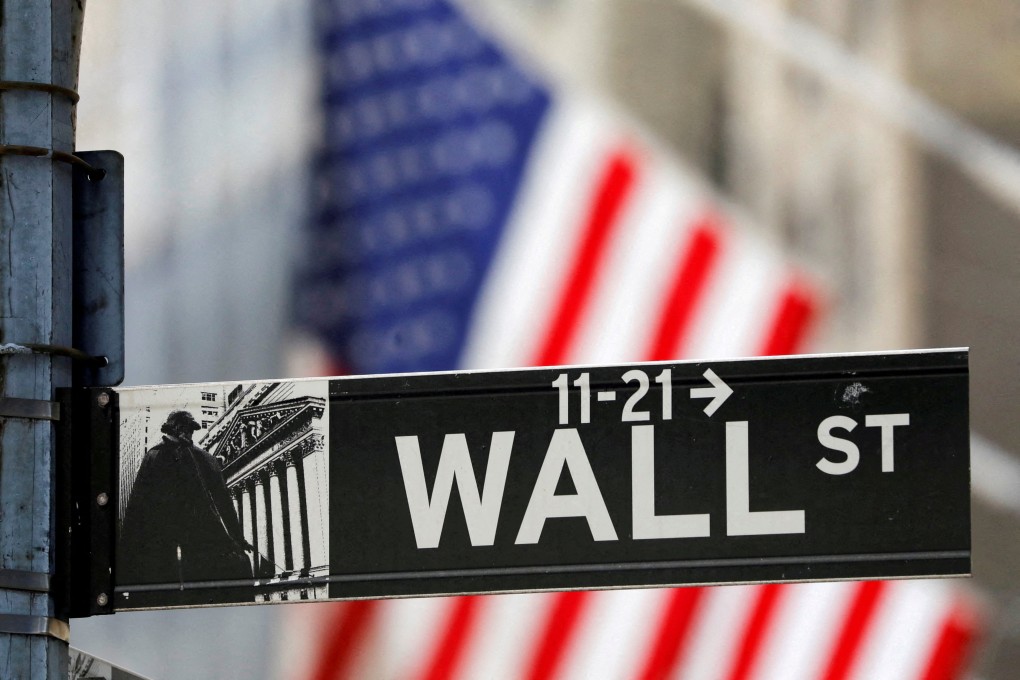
88,440
98,268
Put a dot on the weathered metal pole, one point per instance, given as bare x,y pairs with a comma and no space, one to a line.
39,45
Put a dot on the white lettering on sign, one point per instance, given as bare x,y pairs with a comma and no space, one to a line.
826,439
481,511
886,421
631,409
630,414
566,452
719,392
646,523
740,520
566,449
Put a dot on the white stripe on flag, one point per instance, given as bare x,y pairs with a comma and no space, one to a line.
804,631
743,291
411,632
614,635
630,291
541,236
900,642
718,630
505,636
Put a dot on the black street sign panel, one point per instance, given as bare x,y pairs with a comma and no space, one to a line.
787,469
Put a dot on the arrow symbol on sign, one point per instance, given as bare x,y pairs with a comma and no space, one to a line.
719,392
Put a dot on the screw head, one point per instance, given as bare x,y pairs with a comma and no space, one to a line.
102,499
102,600
103,399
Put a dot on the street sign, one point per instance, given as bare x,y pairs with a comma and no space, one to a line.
788,469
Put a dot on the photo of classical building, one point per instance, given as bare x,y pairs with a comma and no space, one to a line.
269,440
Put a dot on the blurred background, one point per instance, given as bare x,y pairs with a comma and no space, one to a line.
872,145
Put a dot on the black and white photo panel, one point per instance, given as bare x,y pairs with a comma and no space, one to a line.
223,494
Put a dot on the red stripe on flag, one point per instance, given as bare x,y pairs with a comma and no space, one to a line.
696,263
762,615
614,187
797,309
463,613
673,633
556,635
953,645
347,629
858,618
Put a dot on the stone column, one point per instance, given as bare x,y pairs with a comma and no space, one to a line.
245,513
277,512
296,529
262,518
235,496
253,515
302,494
316,480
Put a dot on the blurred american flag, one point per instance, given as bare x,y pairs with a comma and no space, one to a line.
469,215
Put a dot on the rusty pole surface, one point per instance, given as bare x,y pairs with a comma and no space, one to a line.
39,44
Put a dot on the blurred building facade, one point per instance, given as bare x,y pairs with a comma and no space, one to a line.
213,105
